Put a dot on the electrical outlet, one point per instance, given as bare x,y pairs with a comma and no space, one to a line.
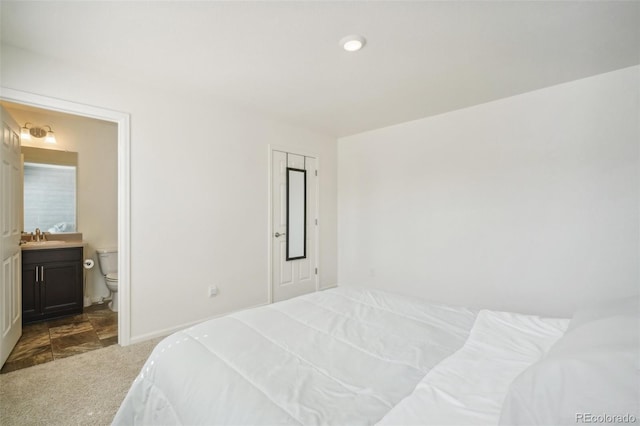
213,291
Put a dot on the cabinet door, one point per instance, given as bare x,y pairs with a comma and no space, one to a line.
30,293
61,288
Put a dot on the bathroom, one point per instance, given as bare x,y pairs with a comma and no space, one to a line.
95,143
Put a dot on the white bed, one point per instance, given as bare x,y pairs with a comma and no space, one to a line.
344,356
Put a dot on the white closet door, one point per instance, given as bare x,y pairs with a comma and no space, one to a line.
292,278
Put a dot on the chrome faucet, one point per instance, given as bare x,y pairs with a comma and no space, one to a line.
38,234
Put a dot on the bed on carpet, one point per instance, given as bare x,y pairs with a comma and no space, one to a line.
350,356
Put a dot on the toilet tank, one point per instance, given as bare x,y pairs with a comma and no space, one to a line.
108,260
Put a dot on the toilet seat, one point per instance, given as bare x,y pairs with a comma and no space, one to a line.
112,276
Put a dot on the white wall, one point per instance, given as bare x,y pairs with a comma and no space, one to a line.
96,143
199,201
528,203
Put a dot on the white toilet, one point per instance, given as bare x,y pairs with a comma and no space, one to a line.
108,261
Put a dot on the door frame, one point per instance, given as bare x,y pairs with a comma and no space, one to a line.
305,153
122,120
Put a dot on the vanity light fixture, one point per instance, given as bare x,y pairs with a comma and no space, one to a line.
50,138
353,43
29,130
24,132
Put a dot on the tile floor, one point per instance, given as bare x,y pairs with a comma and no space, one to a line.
45,341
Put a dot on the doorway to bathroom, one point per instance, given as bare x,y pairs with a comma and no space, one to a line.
68,192
109,328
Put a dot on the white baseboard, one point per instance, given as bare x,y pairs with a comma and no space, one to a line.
171,330
327,287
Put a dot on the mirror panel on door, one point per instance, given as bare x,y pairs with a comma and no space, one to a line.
296,213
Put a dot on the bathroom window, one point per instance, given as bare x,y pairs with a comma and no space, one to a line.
49,197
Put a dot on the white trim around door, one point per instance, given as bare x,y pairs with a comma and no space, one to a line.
122,119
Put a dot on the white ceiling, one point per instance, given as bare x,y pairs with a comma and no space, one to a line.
283,59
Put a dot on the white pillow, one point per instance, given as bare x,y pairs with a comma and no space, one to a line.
591,375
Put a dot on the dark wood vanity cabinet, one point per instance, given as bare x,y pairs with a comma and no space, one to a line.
51,283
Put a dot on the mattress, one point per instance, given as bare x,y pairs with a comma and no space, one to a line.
344,356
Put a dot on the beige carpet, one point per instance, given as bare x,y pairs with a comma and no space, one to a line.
84,389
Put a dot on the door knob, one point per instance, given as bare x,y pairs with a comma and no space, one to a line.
277,234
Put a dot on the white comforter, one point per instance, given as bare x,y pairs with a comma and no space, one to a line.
340,357
469,387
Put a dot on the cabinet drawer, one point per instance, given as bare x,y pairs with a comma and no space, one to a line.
52,255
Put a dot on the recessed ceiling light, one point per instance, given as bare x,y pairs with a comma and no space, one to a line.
353,43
